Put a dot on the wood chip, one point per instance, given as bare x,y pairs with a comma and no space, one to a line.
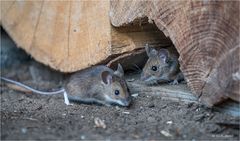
126,113
135,95
165,133
18,88
169,122
130,80
99,123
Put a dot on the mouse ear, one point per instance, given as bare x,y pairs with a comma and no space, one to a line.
163,54
150,51
106,77
119,72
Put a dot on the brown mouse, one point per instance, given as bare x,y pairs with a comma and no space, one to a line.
98,84
162,66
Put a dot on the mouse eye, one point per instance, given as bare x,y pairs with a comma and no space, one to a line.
116,92
154,68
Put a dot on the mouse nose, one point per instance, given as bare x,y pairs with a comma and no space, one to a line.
126,102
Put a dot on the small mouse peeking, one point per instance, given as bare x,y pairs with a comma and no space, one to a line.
94,85
162,66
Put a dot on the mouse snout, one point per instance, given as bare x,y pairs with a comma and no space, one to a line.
126,102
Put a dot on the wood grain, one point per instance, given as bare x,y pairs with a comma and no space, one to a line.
206,35
72,35
179,93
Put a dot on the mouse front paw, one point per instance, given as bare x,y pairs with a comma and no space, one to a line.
69,104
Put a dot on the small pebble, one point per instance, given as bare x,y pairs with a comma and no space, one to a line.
151,119
117,107
151,105
198,109
99,123
130,80
126,113
83,137
24,130
169,122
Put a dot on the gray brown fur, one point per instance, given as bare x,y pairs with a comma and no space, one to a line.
93,85
166,62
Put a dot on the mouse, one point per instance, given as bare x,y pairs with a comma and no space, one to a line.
162,66
94,85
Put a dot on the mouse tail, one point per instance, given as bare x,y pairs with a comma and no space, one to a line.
31,89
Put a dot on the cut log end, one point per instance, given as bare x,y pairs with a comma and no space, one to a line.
205,33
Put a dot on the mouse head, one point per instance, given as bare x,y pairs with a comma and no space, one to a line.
116,90
156,67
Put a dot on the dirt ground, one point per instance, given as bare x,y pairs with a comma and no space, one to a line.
31,116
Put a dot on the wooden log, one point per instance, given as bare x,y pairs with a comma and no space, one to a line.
206,35
72,35
178,93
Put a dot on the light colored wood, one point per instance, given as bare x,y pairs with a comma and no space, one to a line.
5,6
178,93
18,88
206,35
72,35
16,20
60,33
